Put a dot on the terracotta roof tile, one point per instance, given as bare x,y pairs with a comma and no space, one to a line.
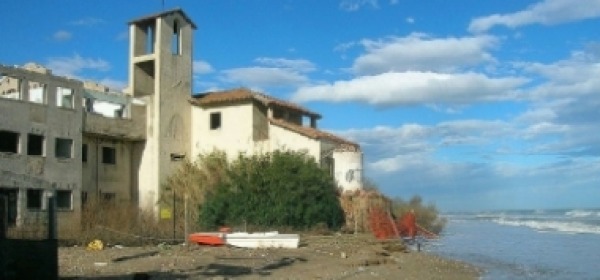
244,94
316,134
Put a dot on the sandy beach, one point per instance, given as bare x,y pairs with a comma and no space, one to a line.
319,257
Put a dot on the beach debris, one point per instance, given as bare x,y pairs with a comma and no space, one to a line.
95,245
100,264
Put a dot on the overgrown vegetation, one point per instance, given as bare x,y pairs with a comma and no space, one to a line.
427,215
277,190
281,190
191,183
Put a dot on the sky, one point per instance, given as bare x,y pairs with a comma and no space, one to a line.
473,105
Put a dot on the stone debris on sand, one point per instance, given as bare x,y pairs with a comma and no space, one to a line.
318,257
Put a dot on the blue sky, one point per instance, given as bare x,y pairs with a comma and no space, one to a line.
471,104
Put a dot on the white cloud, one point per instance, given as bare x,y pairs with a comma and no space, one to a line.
300,65
410,20
271,72
201,67
546,12
88,21
62,35
264,77
419,52
355,5
74,65
577,75
412,88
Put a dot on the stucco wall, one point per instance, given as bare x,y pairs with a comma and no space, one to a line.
283,139
104,178
22,171
233,137
348,169
168,111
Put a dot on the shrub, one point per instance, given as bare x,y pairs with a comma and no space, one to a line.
427,216
281,189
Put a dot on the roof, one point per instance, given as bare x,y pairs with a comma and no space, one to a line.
244,94
315,134
165,13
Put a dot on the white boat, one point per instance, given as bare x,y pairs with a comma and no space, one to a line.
271,239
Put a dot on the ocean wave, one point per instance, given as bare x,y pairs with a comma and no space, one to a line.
545,226
582,213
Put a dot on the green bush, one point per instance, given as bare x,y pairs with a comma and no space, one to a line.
281,189
427,216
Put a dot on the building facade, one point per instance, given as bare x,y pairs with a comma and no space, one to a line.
80,141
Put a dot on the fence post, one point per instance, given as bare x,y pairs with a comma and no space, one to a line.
3,216
52,217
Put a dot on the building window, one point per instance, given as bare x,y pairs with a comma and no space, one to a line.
63,200
84,151
63,148
64,97
34,199
109,155
215,120
10,87
150,38
37,92
9,142
176,39
35,145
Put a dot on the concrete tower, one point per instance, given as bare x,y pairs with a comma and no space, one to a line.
160,73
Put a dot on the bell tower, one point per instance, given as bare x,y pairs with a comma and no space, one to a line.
160,74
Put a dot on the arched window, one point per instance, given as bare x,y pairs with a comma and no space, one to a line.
176,39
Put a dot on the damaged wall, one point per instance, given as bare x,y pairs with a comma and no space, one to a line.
47,157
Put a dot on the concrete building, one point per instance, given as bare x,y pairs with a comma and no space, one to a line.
79,140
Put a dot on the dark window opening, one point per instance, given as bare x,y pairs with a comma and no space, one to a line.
35,145
34,199
176,39
109,155
215,121
64,148
84,152
9,142
63,199
9,197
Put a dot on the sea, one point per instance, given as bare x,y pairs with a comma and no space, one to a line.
524,244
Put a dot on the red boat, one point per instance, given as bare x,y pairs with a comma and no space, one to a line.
208,238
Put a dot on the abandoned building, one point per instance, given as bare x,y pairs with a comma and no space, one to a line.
81,141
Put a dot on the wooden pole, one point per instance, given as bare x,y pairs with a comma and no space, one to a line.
185,218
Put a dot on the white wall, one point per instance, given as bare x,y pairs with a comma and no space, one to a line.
348,169
234,136
284,139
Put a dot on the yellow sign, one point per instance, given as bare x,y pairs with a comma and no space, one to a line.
165,213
